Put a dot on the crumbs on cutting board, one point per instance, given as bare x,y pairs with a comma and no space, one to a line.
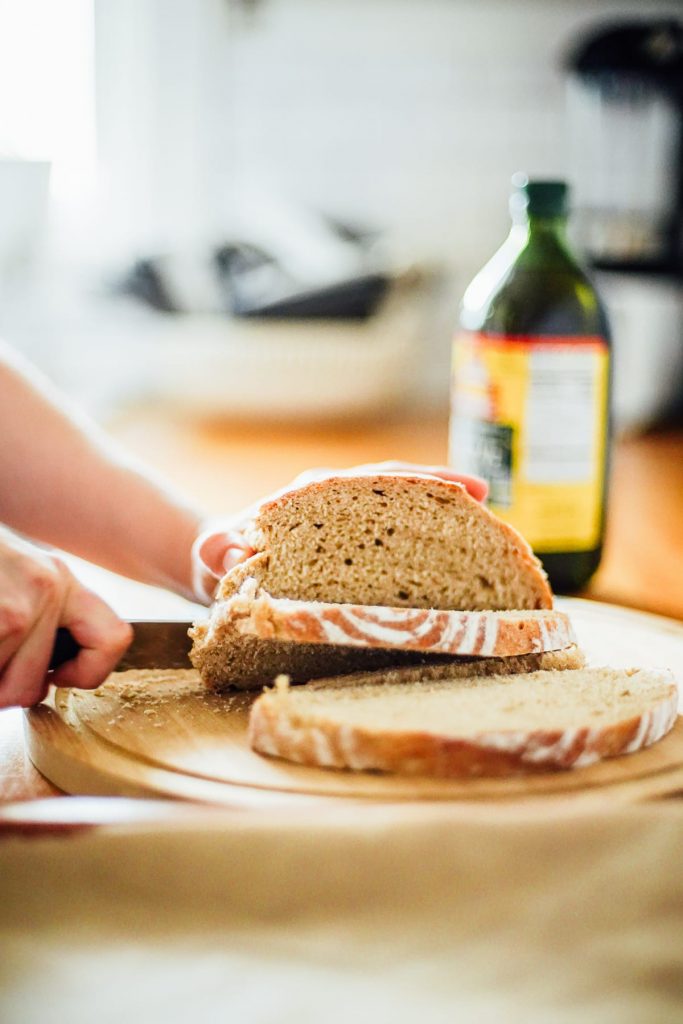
149,690
152,686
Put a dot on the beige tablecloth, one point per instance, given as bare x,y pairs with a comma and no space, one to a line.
447,915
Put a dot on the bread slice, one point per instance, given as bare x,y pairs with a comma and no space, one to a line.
379,539
466,725
227,660
390,539
430,630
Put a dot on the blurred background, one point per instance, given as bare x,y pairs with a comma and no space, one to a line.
238,231
271,208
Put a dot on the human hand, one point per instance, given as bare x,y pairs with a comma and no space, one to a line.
38,593
221,547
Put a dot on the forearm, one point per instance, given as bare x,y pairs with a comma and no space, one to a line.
65,483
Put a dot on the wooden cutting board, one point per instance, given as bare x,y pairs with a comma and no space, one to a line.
160,733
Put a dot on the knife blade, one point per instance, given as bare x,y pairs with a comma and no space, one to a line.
157,643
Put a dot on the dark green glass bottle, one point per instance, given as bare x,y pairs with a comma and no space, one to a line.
530,388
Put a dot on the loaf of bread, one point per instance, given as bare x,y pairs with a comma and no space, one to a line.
392,540
465,725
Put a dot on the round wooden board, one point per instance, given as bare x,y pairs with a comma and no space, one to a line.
160,732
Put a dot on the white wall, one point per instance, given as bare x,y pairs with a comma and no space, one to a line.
407,114
410,115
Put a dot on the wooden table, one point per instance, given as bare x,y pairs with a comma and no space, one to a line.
229,465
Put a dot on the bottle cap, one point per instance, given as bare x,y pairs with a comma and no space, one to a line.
541,198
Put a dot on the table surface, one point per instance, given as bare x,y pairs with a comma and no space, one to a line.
228,465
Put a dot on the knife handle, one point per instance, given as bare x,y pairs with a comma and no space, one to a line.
65,648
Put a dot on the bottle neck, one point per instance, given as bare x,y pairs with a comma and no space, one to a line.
540,242
533,225
558,224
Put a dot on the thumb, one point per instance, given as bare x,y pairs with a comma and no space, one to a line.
215,553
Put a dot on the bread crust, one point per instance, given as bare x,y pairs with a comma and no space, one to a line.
278,729
253,612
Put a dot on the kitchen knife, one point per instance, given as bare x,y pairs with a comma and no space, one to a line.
157,643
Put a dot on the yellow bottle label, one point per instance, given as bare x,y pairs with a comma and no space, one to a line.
530,415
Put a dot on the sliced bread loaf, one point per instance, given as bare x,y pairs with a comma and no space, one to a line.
379,539
466,725
430,630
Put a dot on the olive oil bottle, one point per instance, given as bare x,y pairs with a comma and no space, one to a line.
530,388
